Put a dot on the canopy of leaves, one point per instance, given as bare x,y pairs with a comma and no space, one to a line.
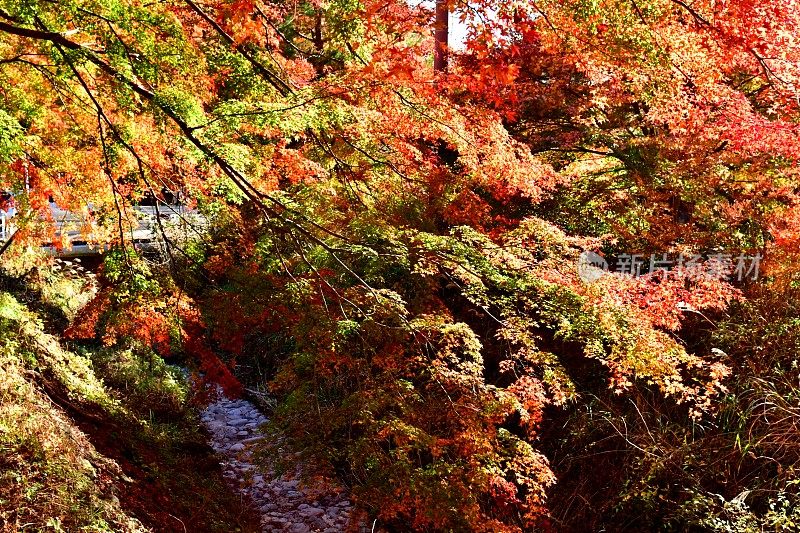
395,247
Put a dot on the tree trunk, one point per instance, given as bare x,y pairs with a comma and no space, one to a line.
442,29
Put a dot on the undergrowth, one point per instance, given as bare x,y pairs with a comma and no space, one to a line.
95,438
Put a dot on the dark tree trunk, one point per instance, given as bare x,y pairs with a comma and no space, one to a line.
441,32
318,42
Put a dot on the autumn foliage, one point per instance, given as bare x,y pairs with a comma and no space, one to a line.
393,250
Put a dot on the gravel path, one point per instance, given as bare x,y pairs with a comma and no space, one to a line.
285,506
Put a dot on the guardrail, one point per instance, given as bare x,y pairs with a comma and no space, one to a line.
143,237
7,227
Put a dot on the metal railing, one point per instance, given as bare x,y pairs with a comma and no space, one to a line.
146,236
7,226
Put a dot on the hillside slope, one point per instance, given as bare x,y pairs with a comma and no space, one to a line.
95,439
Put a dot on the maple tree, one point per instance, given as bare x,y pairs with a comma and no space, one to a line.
396,244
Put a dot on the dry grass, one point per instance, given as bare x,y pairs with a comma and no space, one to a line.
51,476
100,440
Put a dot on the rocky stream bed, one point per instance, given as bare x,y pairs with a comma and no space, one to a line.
284,504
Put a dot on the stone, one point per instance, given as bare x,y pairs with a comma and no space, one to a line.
283,506
313,511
